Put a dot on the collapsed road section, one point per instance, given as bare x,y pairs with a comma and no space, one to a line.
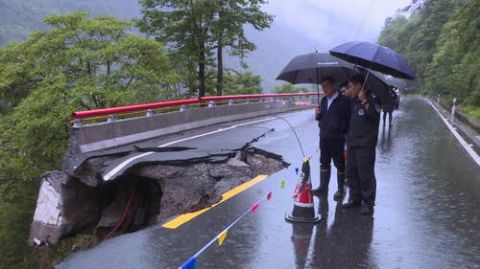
118,191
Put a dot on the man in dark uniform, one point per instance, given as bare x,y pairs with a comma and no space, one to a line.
333,116
389,106
362,141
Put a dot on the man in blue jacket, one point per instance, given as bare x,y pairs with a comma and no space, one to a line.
333,117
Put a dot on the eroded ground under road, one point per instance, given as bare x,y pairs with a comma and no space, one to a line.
427,213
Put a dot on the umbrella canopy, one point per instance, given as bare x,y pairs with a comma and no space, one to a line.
376,83
313,67
375,57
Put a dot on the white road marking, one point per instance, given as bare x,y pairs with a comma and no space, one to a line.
460,139
123,164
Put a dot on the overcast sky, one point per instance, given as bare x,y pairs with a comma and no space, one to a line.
330,22
300,26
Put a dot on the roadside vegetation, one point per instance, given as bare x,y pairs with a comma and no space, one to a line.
441,41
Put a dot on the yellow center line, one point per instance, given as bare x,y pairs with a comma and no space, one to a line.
184,218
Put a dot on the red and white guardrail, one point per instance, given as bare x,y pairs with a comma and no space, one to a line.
178,103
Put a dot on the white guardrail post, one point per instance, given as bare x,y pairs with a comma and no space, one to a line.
454,107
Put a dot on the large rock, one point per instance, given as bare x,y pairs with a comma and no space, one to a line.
64,206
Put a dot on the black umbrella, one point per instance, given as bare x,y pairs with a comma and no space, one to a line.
375,83
313,67
375,57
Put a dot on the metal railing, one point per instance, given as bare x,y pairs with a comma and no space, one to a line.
148,109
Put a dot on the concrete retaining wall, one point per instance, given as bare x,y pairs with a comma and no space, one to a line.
100,136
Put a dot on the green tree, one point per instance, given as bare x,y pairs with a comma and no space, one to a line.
19,18
192,30
395,33
185,26
416,37
228,29
80,63
242,83
455,66
441,41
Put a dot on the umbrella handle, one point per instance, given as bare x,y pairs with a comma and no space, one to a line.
318,89
366,78
318,94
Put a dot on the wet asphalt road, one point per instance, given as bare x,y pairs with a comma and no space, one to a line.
427,213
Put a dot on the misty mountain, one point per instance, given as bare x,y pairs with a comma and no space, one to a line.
275,46
18,18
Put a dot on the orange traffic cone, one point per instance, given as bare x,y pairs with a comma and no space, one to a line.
303,208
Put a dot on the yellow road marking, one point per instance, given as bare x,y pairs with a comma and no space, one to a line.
182,219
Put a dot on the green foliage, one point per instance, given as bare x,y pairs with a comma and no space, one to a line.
19,18
242,83
416,37
79,64
393,34
16,204
455,66
193,29
230,18
442,43
289,88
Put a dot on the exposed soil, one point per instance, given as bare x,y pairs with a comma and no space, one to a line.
152,193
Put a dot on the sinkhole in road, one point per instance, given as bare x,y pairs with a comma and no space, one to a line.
151,193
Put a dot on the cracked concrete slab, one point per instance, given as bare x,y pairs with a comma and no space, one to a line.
216,148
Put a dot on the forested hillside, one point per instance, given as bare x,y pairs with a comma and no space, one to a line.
19,18
442,43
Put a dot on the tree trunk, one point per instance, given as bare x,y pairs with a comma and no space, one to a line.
220,68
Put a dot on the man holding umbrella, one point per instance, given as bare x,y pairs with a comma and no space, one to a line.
333,117
362,141
332,113
365,117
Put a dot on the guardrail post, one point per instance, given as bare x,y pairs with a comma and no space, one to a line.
454,107
77,123
111,118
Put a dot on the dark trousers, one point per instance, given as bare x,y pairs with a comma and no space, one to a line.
361,174
390,115
332,149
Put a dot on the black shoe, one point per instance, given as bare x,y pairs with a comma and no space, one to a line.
338,195
352,204
366,209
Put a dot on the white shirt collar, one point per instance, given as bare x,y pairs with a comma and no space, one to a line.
330,99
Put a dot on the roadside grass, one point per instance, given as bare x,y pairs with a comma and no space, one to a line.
472,111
